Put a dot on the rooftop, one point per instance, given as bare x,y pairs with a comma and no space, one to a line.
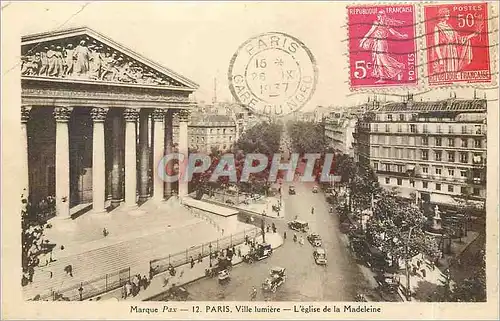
451,105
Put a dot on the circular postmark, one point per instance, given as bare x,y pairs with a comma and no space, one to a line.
273,74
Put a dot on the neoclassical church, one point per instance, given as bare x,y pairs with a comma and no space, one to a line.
96,120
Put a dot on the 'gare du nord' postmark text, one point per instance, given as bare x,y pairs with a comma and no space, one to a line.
273,74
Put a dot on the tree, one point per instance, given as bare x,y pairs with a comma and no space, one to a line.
307,137
472,289
32,224
263,138
397,228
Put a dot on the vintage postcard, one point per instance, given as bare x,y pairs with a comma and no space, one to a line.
250,160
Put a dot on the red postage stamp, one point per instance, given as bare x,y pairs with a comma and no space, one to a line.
457,43
382,45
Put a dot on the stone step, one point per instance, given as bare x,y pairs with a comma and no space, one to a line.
136,253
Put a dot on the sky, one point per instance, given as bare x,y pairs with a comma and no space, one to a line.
198,39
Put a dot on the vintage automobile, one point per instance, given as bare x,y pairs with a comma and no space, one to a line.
176,293
277,276
319,255
387,282
315,189
291,190
262,251
221,264
299,226
314,239
224,276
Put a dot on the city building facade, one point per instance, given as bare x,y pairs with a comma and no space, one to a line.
339,131
208,132
434,151
96,121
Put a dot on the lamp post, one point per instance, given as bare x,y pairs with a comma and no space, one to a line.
407,263
210,255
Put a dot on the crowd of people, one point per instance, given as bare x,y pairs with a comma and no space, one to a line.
87,60
133,286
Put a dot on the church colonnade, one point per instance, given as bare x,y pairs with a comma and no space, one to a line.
142,128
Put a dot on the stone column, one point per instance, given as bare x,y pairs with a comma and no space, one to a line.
131,115
183,150
144,155
98,160
62,115
116,172
159,150
169,126
25,179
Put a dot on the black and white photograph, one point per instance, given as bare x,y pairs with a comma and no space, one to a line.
250,159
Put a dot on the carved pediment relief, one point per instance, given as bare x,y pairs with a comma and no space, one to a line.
84,54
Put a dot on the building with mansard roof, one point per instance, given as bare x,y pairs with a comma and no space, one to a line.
97,119
209,131
433,150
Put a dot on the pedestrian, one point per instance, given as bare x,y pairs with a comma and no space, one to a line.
128,288
192,262
200,258
239,252
284,235
69,270
105,232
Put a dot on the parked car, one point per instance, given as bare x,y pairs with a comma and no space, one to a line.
319,255
299,226
291,190
315,189
230,202
176,293
387,282
314,239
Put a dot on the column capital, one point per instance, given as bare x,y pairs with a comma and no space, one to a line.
158,115
99,114
131,114
62,114
25,113
183,115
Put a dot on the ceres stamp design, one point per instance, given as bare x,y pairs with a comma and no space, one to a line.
273,74
382,46
457,43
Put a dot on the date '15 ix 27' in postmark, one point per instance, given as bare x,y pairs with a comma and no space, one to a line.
457,43
273,74
382,46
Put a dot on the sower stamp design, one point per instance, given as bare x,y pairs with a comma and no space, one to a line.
382,46
457,43
273,74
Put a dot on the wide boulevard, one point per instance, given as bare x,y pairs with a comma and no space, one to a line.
339,280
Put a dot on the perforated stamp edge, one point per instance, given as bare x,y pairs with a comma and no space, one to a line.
422,85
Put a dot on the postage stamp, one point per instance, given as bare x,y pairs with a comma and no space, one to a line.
382,45
457,43
273,74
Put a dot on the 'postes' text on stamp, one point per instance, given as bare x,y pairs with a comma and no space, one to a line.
457,43
382,46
